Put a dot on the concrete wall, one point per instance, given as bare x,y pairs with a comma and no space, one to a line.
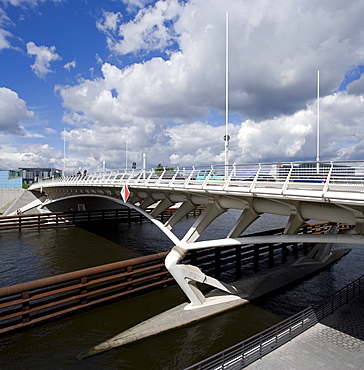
8,197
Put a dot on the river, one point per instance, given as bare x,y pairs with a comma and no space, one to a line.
31,255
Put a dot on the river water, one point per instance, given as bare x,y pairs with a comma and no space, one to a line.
31,255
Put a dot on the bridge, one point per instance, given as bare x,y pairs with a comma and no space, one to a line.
327,191
301,191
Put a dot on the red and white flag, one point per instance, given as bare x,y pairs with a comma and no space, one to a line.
125,193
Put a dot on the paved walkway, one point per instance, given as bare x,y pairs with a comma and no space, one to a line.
336,343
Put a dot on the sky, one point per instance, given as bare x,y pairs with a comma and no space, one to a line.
87,83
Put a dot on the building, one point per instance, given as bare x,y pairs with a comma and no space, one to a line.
31,175
11,179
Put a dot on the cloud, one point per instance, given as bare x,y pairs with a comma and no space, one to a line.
43,57
356,87
4,44
13,111
151,29
163,105
4,34
27,2
33,155
136,4
70,65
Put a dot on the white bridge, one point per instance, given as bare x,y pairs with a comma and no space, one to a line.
327,191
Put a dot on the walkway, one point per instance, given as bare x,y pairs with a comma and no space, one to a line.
336,343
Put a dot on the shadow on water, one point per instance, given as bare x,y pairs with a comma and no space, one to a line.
32,254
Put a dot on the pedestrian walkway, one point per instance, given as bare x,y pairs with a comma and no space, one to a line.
336,343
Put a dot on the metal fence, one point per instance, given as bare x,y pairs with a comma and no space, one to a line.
69,218
343,296
318,176
259,345
29,303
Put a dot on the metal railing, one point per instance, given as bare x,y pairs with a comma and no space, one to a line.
274,177
36,301
69,218
246,352
343,296
259,345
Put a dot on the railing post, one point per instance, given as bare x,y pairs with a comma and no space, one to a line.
238,261
129,287
84,290
217,263
25,307
271,254
256,257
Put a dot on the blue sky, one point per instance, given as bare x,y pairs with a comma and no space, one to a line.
129,77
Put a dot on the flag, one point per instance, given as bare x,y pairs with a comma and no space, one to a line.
125,193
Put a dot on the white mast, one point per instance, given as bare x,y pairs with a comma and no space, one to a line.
318,121
126,149
226,137
64,153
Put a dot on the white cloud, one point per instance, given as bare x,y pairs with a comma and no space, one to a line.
110,22
13,111
27,2
33,155
70,65
4,34
147,31
43,57
4,43
135,4
163,107
166,104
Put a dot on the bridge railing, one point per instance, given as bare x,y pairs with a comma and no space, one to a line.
251,349
276,178
259,345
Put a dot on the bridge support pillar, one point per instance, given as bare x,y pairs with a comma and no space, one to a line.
187,277
247,217
212,211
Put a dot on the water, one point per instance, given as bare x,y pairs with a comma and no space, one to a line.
55,345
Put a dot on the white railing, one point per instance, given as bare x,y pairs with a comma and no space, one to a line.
273,178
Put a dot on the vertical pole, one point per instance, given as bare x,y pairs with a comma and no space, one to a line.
126,152
226,137
64,153
318,122
144,165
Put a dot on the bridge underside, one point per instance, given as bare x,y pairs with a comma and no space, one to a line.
298,212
